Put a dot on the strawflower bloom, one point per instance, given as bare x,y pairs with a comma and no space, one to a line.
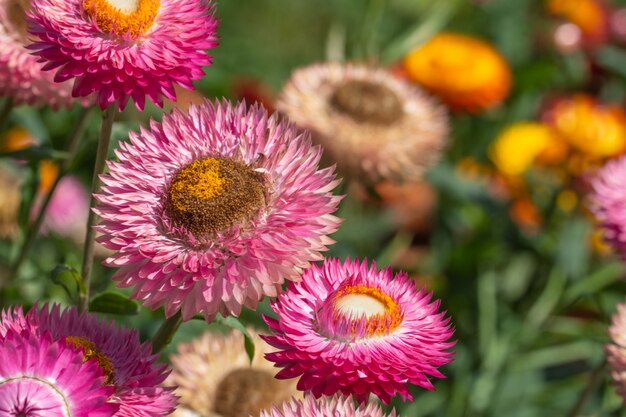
125,365
608,202
120,49
466,73
214,209
352,328
215,377
372,124
521,145
616,350
21,76
43,377
336,406
594,129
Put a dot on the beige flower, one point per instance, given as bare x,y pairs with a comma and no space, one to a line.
215,378
374,126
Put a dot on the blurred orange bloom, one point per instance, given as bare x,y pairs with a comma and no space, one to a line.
466,73
16,139
589,15
522,144
48,173
525,213
594,129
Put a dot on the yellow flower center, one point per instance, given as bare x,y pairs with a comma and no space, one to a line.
91,352
123,17
382,314
211,194
367,102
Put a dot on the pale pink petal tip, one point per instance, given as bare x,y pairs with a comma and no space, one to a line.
335,406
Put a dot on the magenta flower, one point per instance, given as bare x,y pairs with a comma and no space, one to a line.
21,77
214,209
351,328
608,202
120,49
326,407
127,366
42,377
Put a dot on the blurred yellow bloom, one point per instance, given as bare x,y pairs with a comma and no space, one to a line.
464,72
594,129
523,144
589,15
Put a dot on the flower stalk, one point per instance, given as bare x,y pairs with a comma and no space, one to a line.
108,117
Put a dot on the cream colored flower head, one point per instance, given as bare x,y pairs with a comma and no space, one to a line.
371,124
215,378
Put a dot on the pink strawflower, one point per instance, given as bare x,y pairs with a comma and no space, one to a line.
68,210
128,366
120,49
608,202
41,377
214,209
326,407
616,351
21,76
352,328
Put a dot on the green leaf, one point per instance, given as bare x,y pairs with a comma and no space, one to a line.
113,303
234,323
68,278
595,282
35,153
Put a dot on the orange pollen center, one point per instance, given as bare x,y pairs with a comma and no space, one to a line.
381,313
200,180
123,17
91,352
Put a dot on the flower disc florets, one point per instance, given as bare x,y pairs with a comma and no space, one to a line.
122,49
214,209
351,328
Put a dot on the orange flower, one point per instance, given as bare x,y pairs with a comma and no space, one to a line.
464,72
16,139
596,130
526,214
589,15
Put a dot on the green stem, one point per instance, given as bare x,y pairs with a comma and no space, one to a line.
594,380
33,230
108,116
5,111
166,332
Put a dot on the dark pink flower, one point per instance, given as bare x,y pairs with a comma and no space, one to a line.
349,327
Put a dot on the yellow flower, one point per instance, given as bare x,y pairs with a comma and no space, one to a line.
523,144
464,72
588,15
594,129
16,139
